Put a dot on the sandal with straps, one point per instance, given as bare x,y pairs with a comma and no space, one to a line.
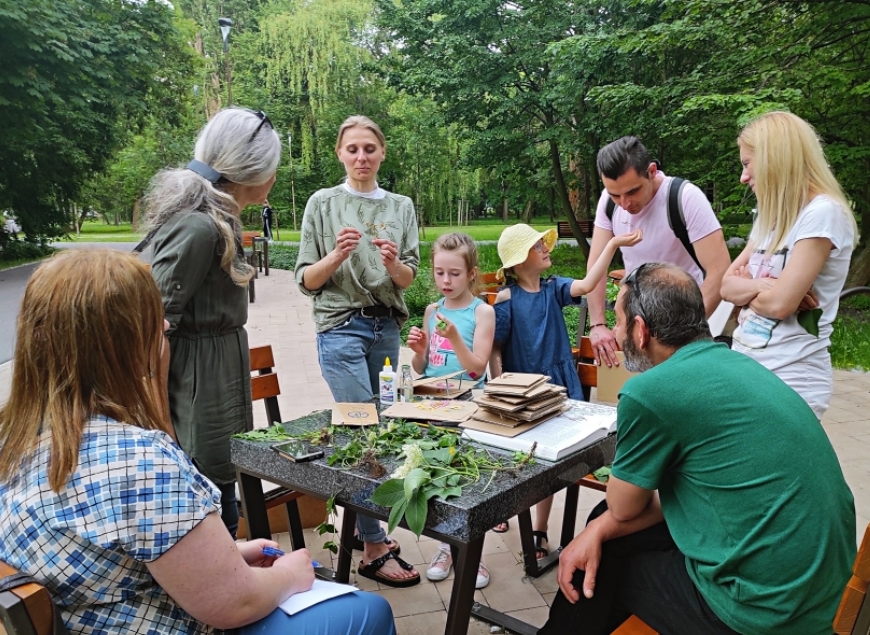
372,571
540,537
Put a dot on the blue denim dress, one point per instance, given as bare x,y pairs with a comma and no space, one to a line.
531,331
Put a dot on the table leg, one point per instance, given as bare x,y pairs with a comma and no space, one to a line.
466,559
297,538
345,551
254,506
569,517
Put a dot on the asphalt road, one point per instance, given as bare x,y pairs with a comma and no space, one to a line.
12,284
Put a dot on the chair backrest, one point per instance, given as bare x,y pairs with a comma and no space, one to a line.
489,286
264,385
587,371
853,614
248,238
27,609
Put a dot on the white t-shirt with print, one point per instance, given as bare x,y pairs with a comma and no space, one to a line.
659,243
776,344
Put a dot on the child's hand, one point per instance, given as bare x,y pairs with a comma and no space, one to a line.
628,240
445,328
417,340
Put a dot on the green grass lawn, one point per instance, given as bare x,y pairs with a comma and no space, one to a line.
101,233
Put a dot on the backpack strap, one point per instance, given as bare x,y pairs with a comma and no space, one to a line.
609,209
677,220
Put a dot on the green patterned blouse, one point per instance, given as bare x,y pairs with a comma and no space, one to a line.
361,280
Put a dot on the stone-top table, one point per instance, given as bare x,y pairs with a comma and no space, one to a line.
460,522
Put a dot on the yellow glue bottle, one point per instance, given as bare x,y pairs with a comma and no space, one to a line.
387,384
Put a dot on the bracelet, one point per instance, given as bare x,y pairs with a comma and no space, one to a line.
592,326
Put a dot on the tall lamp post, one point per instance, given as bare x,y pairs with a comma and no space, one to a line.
292,186
226,24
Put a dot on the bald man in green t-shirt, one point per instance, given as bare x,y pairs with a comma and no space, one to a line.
727,511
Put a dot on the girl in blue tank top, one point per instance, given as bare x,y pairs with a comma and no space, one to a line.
457,335
457,330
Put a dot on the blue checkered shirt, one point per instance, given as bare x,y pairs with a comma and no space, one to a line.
133,496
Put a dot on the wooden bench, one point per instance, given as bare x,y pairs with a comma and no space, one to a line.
563,228
27,609
252,258
489,286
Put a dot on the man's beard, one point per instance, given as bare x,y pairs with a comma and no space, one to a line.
635,360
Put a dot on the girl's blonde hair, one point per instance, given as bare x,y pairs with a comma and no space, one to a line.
244,150
88,342
463,244
789,164
359,121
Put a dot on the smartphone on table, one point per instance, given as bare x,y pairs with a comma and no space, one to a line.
297,451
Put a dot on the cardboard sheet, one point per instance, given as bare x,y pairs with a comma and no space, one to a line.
447,410
509,428
354,414
611,380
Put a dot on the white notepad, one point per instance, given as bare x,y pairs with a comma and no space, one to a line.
321,591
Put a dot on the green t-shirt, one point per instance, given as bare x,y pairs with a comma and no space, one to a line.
361,280
750,487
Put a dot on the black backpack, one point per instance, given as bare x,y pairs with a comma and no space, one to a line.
676,220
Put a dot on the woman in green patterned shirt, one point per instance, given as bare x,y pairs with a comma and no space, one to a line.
359,251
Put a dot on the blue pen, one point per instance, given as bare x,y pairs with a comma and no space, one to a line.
273,552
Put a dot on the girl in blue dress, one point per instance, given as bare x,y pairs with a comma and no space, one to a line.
457,336
530,332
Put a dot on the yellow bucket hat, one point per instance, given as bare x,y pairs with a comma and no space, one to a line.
515,242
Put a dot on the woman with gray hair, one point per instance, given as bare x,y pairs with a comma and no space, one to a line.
199,266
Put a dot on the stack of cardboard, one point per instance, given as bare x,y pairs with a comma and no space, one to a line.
519,398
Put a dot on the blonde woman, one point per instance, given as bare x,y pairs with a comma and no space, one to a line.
789,277
100,505
200,269
358,252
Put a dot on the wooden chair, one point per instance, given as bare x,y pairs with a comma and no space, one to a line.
26,608
853,614
489,286
264,385
251,256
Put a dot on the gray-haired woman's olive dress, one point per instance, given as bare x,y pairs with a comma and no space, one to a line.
209,372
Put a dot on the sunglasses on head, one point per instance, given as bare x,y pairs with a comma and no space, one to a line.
263,119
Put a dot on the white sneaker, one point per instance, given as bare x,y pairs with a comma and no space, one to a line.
482,576
441,563
440,566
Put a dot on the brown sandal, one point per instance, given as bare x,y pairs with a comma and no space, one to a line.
372,571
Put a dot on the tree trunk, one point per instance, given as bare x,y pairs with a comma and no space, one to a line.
562,189
527,213
504,210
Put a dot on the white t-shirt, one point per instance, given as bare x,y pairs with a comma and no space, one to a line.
659,243
776,344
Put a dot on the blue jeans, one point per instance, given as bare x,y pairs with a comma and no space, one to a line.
351,357
357,613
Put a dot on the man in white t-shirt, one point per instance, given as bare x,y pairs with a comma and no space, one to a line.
640,193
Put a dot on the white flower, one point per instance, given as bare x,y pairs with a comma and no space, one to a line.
413,459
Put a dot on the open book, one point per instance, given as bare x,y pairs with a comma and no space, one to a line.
581,425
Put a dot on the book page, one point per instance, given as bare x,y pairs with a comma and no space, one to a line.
574,429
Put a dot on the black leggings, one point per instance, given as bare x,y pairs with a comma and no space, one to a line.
642,574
